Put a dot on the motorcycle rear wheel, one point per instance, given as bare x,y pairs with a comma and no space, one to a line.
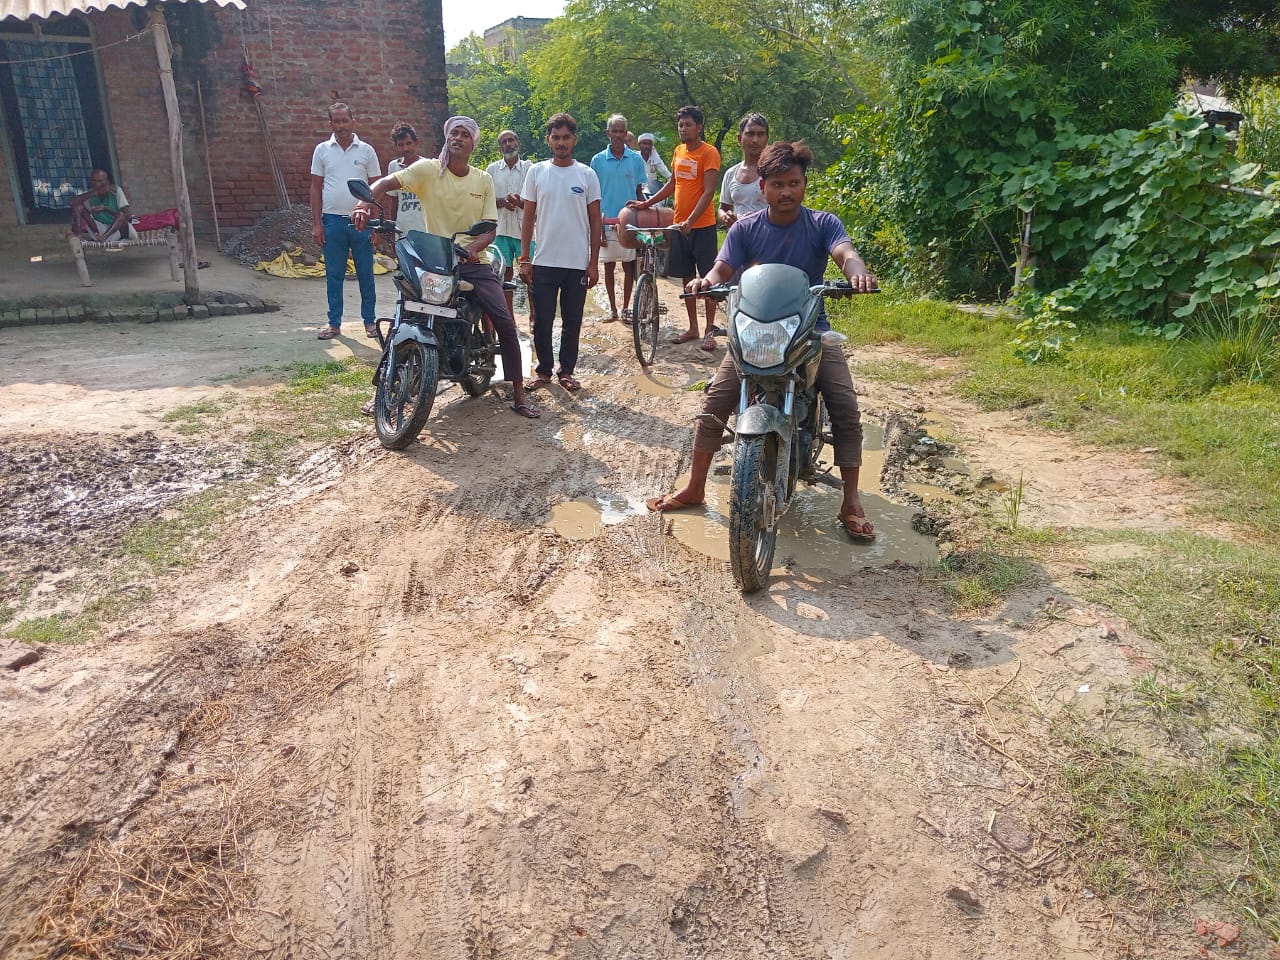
484,347
645,319
753,519
402,405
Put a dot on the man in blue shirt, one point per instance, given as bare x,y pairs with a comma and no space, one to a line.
791,233
622,174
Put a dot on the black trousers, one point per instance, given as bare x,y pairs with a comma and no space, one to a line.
570,288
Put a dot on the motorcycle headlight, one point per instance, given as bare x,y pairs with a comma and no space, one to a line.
764,344
436,287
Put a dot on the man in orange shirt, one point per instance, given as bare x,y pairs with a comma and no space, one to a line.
695,171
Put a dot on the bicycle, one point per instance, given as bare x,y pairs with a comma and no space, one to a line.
645,308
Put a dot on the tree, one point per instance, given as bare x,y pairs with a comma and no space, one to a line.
979,89
496,94
646,59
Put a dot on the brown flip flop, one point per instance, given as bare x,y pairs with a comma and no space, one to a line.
858,528
669,503
684,337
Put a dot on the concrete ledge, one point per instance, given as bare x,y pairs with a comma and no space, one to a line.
105,311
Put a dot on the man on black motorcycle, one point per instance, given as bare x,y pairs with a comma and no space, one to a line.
791,233
454,196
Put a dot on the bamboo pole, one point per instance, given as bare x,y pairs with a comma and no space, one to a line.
186,230
208,167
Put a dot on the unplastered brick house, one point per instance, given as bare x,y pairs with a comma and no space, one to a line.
80,88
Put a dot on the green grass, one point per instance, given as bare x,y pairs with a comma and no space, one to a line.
57,628
1197,821
1206,825
980,578
1115,389
899,371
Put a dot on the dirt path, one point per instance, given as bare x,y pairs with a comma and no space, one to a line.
402,716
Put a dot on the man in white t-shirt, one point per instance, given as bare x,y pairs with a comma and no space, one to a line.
562,210
740,192
508,176
342,157
409,214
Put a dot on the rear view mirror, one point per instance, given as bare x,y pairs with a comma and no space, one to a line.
482,226
360,190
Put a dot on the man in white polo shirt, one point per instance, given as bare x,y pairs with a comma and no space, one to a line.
342,157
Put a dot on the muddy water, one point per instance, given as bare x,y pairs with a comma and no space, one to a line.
653,385
585,518
809,536
931,493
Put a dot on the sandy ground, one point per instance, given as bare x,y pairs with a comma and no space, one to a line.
408,706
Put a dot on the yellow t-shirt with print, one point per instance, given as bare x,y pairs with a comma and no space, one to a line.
450,203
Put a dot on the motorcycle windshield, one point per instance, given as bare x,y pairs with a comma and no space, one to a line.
772,291
434,252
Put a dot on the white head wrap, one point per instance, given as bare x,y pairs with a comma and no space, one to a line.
449,124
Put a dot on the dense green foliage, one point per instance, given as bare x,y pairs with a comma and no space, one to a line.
976,90
496,94
1163,218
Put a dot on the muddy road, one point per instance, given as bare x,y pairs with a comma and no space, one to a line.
471,701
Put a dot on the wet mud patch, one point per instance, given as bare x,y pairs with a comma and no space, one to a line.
68,498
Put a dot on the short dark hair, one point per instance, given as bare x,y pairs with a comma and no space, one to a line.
782,156
692,112
562,120
339,105
403,129
749,118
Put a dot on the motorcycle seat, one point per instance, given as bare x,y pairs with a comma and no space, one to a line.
466,286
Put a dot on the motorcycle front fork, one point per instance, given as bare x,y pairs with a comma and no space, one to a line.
782,481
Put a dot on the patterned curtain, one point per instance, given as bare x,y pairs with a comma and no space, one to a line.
49,107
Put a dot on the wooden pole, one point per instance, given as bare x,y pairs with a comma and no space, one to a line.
204,135
186,231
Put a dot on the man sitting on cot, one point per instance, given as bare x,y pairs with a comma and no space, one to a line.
101,213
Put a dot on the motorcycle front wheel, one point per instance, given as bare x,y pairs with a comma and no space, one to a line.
480,359
753,519
644,319
403,400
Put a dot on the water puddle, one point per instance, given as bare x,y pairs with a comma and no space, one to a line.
956,465
585,518
992,485
808,535
653,386
931,418
931,493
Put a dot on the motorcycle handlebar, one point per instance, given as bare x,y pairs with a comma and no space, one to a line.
833,288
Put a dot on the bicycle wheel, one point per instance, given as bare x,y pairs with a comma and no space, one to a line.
644,319
402,405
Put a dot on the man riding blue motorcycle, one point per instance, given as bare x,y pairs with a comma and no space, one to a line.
787,232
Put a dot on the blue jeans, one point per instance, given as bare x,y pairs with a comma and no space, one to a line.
339,237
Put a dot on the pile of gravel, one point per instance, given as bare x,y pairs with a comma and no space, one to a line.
277,230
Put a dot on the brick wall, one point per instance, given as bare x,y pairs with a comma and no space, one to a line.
383,57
